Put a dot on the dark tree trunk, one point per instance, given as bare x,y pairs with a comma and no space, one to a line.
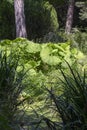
69,20
20,18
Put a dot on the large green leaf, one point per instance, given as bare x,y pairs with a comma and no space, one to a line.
50,55
33,48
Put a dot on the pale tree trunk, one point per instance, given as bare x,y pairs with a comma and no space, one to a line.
69,20
20,18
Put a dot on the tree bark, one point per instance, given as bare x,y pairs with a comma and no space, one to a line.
69,20
20,18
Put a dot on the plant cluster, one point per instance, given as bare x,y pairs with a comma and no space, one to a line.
41,64
79,40
41,60
11,86
70,106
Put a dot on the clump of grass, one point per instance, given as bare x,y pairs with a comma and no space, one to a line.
11,86
71,105
75,96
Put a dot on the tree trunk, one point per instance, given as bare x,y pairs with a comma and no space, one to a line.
69,19
20,18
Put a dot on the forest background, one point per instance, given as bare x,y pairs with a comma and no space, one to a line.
42,17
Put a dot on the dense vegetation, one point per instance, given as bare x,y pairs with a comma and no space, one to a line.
43,65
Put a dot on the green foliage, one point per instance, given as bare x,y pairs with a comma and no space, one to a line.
41,60
70,104
11,86
79,40
7,20
49,53
41,18
56,54
83,10
75,96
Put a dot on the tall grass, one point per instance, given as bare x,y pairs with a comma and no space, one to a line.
71,105
11,86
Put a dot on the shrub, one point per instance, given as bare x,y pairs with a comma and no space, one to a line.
41,18
79,40
7,24
41,60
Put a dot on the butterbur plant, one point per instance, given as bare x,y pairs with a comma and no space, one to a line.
11,86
